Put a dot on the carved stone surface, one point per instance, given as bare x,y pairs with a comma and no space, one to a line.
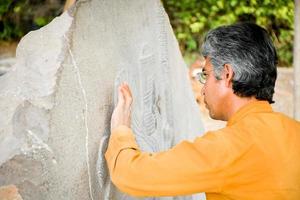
57,100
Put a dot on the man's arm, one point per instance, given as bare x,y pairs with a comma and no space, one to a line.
189,167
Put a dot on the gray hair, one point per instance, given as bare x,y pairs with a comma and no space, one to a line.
250,52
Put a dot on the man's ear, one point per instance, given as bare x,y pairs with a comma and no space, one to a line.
228,75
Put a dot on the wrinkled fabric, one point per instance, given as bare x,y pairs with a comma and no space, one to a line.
256,156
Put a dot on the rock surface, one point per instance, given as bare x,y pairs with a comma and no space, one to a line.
56,101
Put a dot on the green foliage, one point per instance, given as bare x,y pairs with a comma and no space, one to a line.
17,17
191,19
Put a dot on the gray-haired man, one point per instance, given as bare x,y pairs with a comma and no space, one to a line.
256,156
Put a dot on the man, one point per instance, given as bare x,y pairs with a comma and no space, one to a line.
256,156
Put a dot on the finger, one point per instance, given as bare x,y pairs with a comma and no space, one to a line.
127,96
129,91
121,100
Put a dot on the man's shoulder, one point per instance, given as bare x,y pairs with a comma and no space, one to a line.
257,124
288,121
286,117
222,133
266,118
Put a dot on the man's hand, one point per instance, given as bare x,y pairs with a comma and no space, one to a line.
122,112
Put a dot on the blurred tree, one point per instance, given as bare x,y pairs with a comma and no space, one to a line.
17,17
191,19
297,62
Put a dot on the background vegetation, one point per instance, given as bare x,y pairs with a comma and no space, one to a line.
190,19
18,17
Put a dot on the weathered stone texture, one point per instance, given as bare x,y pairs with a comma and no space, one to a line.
57,100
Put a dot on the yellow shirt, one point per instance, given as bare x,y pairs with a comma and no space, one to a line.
256,156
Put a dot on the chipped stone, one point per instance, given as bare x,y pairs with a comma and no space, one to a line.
56,101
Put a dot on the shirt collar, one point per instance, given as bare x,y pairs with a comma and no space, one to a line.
252,107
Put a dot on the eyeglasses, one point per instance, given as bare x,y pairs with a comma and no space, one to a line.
202,76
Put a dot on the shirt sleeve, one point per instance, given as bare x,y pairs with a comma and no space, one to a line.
189,167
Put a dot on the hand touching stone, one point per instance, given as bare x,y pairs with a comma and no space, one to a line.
122,112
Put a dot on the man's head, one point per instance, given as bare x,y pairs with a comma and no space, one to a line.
246,52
